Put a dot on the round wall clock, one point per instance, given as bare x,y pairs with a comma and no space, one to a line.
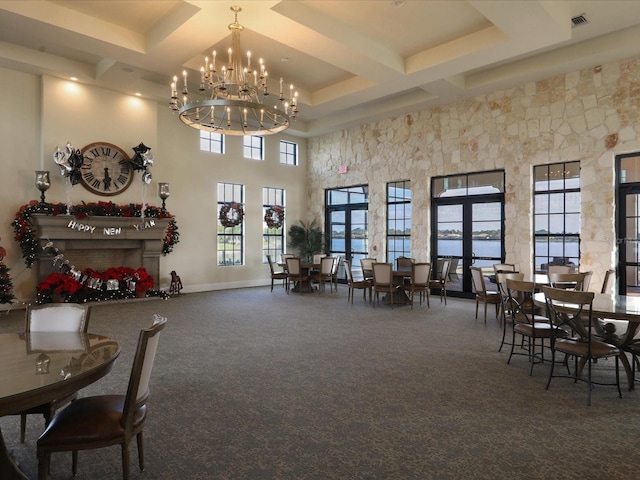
106,169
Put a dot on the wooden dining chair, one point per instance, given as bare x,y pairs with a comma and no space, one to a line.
581,345
367,267
53,317
419,283
336,270
528,322
568,281
325,274
483,295
440,282
383,282
353,284
296,275
559,269
503,267
276,274
505,303
105,420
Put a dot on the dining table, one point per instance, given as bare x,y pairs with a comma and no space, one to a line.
306,269
38,367
607,306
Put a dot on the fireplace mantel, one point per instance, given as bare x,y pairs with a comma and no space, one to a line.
93,239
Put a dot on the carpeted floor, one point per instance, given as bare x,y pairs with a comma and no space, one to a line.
250,384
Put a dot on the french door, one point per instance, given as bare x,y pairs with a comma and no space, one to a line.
628,240
468,227
347,225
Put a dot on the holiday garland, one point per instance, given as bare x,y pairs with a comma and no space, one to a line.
231,214
25,233
274,216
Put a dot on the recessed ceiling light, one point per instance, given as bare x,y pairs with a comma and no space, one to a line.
138,94
398,3
284,59
73,79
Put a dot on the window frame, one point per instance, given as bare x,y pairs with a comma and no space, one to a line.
556,172
234,236
273,196
395,202
287,154
207,137
251,148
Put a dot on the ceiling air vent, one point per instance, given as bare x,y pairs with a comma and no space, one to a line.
579,20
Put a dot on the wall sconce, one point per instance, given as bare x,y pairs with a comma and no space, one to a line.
163,192
43,183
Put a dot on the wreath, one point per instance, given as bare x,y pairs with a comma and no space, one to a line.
274,216
231,214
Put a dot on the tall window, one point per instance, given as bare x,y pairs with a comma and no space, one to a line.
398,220
273,211
288,153
556,214
253,147
230,238
211,142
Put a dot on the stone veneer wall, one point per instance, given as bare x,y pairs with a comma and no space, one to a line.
588,115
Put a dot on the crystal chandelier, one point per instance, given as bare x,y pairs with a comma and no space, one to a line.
234,100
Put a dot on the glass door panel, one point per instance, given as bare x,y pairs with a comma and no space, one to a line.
469,231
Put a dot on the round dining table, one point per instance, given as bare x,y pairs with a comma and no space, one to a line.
38,367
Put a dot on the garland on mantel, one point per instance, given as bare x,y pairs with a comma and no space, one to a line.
25,233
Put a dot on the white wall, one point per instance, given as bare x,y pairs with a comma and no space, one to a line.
44,112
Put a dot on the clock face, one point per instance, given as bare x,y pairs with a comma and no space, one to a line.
106,169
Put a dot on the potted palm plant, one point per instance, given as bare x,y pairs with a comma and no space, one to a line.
306,239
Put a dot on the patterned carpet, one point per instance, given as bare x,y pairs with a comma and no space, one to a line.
250,384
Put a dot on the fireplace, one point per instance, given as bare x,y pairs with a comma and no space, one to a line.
99,242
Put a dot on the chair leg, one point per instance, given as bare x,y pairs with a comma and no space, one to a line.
43,465
140,441
74,462
23,426
126,461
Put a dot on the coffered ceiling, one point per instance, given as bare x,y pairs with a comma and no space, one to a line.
351,61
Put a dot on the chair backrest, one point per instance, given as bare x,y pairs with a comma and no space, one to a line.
349,273
478,280
284,257
609,279
587,280
559,269
420,274
367,267
382,273
57,317
326,266
293,265
573,281
501,280
317,258
503,267
270,264
444,273
138,389
520,300
570,308
336,265
404,263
